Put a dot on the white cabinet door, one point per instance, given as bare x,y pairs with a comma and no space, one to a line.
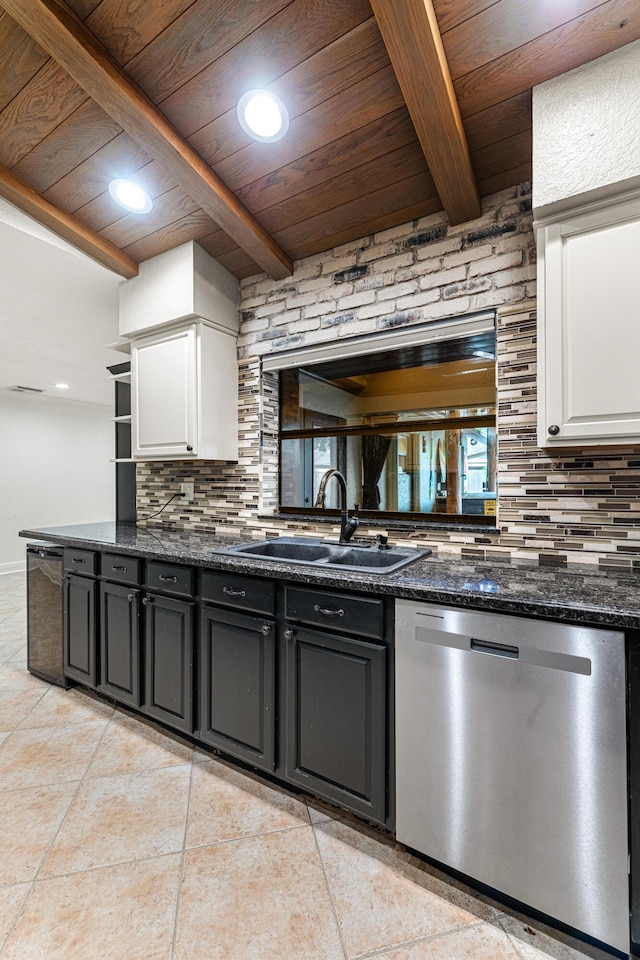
164,394
589,328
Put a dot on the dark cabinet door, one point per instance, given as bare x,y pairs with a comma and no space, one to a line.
169,661
80,629
237,685
336,719
120,643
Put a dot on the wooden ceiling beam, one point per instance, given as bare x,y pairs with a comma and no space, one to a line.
56,28
410,31
65,225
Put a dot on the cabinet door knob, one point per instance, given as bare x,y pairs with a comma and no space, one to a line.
130,597
288,634
146,600
265,629
554,430
189,448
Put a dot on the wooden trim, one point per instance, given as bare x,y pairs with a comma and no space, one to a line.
410,31
384,429
65,225
387,517
65,37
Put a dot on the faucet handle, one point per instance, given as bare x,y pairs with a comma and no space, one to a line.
383,541
356,509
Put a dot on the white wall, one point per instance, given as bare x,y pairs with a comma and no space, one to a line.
586,132
54,468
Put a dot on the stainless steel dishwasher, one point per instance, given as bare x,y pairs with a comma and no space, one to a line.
511,759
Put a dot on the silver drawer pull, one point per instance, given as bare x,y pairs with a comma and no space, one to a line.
328,611
114,567
230,592
78,560
168,579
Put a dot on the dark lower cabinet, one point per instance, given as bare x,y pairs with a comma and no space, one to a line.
237,685
120,675
336,719
80,629
169,649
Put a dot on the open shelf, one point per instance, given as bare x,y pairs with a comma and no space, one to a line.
125,465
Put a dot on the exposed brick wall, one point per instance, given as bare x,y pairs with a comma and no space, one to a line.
558,509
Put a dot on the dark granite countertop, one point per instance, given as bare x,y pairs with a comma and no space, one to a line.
580,593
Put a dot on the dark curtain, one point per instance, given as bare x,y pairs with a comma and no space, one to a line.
374,453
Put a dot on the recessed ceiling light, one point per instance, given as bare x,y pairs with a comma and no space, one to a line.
130,196
263,115
61,386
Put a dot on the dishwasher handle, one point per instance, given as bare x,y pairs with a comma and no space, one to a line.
496,649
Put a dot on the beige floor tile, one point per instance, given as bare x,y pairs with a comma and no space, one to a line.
15,677
541,943
478,942
59,707
225,804
21,655
318,815
10,648
12,603
15,705
263,898
130,745
382,897
123,912
128,817
11,900
31,758
14,627
30,820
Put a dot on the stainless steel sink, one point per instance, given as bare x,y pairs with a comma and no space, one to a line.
322,553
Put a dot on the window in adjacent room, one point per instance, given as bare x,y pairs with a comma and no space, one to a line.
412,429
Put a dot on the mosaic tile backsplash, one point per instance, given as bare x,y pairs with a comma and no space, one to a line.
579,507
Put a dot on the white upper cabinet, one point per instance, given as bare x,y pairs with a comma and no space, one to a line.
185,395
181,315
589,326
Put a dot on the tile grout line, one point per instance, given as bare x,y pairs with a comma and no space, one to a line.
248,836
20,912
402,944
17,918
183,857
334,908
72,802
513,940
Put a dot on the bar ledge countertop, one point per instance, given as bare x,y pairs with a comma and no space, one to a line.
578,593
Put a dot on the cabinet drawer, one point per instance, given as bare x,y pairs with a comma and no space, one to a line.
84,562
236,590
120,569
336,611
169,578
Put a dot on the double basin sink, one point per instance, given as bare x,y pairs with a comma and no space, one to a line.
370,558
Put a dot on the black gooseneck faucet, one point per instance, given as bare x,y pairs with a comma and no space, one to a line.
348,525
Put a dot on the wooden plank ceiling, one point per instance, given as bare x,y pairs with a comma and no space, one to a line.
362,110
